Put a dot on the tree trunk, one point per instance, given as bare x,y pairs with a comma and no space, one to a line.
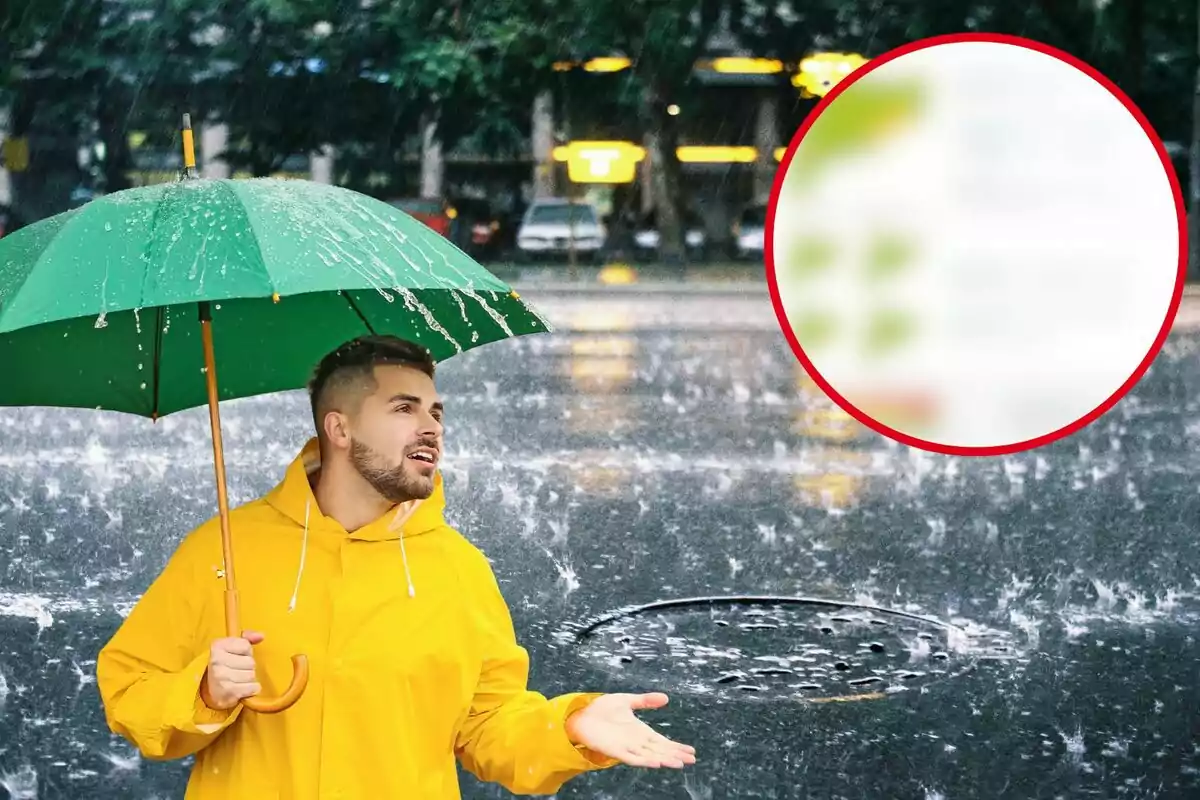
766,139
1134,56
117,157
662,139
543,144
431,159
214,141
5,187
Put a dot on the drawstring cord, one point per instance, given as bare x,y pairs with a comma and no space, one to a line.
402,515
397,521
303,551
412,592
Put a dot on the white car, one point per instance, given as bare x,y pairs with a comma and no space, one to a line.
749,232
549,226
647,238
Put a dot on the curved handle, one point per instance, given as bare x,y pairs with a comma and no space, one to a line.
273,705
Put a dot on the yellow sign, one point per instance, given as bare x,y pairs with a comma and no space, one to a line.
820,72
600,64
14,154
747,66
607,64
600,162
716,154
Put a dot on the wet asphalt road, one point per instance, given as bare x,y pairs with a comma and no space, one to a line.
1053,597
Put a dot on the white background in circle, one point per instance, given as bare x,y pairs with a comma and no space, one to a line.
1046,244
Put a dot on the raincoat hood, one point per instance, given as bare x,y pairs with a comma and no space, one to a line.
295,499
402,684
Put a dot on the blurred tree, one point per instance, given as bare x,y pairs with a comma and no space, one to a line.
468,70
276,74
80,73
663,39
289,76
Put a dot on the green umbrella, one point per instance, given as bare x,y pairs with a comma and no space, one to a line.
99,305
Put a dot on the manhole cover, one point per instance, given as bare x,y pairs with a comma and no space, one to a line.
798,648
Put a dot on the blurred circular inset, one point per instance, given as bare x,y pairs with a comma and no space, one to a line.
976,244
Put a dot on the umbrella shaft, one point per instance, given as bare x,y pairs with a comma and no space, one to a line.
232,625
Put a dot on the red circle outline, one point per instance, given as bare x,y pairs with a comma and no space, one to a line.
1044,439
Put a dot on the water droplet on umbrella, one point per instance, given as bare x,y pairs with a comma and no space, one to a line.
143,387
140,366
108,226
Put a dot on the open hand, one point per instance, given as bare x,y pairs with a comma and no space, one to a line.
608,726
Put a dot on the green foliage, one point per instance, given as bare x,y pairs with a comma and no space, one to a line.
291,75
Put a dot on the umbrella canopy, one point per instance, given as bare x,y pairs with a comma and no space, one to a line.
98,306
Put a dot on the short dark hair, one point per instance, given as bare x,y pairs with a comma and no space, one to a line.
354,363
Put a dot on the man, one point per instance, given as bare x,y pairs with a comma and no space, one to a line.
412,655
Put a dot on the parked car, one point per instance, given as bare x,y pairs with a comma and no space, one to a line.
436,214
749,232
646,237
550,225
477,228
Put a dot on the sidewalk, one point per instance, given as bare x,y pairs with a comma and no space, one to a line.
724,279
741,279
732,296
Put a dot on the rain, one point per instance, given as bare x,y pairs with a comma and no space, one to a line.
669,500
1030,605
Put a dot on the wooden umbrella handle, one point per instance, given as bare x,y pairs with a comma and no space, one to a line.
233,625
273,705
266,705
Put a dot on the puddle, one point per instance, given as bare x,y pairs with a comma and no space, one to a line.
771,648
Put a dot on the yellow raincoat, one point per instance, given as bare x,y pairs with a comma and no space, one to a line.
412,655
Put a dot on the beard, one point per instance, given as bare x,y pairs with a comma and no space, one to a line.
394,483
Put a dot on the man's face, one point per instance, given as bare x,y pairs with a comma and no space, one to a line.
396,440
